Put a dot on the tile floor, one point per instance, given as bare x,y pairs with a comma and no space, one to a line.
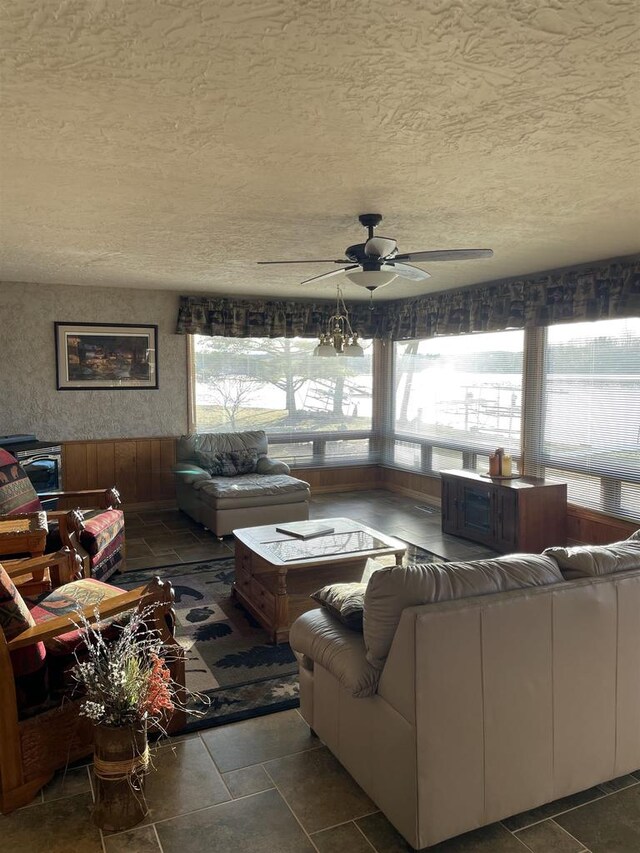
161,538
267,785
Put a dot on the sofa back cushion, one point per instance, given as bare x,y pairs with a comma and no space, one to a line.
391,590
228,463
16,489
221,442
590,561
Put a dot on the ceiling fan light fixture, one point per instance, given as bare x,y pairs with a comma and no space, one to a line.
371,278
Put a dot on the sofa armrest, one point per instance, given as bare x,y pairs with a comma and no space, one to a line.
325,641
188,472
272,466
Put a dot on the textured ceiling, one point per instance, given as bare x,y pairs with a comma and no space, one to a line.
173,144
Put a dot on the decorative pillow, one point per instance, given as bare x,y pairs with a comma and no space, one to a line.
634,537
16,489
14,619
228,463
390,590
590,561
345,601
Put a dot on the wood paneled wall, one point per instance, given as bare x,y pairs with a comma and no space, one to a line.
141,469
347,479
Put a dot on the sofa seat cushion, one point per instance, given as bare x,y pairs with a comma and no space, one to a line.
252,489
390,590
319,637
590,561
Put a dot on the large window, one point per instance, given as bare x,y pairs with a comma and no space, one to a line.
587,433
314,409
456,399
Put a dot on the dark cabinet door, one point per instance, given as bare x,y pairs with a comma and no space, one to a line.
476,513
451,492
506,519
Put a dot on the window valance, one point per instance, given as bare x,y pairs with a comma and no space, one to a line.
261,318
598,292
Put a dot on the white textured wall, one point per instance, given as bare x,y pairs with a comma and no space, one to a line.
29,401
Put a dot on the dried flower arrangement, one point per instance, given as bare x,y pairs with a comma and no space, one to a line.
126,686
125,680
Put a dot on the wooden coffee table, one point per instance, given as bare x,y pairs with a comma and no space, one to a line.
276,573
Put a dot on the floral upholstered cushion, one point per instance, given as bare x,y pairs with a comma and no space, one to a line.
16,490
228,463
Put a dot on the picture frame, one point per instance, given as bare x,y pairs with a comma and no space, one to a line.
101,356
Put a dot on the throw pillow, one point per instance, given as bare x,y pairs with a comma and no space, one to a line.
390,590
345,601
228,463
590,561
17,494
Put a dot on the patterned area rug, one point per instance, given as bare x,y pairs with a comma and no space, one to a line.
228,655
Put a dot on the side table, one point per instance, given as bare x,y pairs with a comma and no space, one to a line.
26,534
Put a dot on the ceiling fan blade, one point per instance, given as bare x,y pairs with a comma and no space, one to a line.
446,255
407,271
329,274
313,261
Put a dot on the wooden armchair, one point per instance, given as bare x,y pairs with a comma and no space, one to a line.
33,744
101,522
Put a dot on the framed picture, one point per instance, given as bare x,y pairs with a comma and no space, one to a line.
96,356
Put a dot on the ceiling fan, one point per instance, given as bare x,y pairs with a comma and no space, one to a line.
378,262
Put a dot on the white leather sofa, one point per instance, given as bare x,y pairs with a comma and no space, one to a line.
486,705
265,494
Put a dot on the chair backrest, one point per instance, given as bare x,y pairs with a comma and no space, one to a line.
189,446
17,493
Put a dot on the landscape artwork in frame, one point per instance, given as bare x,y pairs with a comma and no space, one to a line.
93,356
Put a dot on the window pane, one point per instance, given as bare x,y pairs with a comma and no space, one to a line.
460,393
407,455
279,386
441,460
590,424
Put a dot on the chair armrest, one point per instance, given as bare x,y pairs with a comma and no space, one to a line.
324,640
62,562
188,472
62,624
272,466
106,498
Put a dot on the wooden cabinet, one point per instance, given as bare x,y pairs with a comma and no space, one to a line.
525,514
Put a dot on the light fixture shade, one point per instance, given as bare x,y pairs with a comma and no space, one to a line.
354,350
371,278
325,350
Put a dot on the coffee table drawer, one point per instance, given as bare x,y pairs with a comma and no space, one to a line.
243,578
263,599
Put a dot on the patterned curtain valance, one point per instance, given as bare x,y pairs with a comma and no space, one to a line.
259,318
575,295
545,299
